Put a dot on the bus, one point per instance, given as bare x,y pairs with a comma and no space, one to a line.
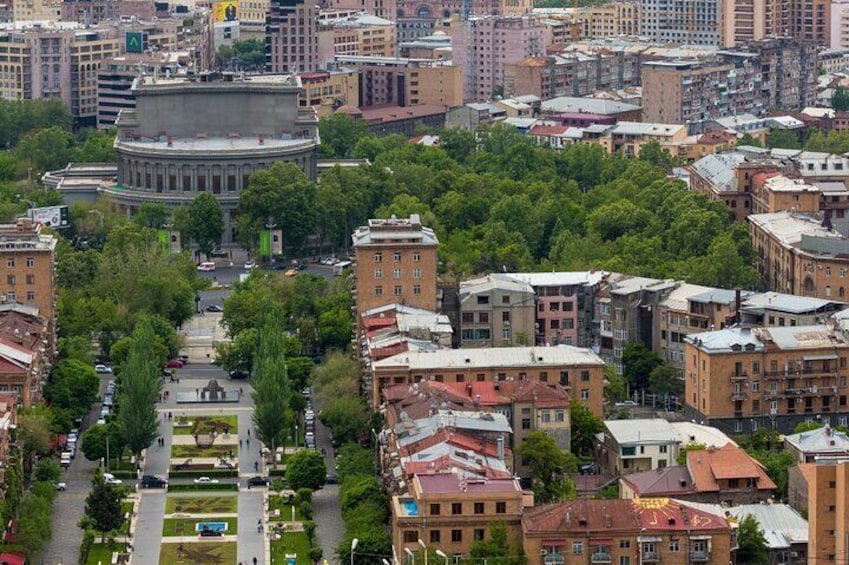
340,267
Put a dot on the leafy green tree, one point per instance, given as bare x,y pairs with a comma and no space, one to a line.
238,354
152,215
73,386
803,427
46,149
638,361
657,155
682,454
783,138
665,379
615,388
354,460
34,432
95,439
139,391
18,117
339,135
48,470
747,140
272,393
840,99
585,425
34,523
96,147
337,377
497,549
103,506
752,548
347,418
549,468
205,222
305,469
360,490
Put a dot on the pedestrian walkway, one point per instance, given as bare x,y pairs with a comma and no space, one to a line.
252,543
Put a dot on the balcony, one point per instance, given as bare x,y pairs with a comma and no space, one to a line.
738,377
739,395
601,558
651,557
699,556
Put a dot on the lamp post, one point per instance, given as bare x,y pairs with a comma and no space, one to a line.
424,547
411,555
354,543
296,437
441,553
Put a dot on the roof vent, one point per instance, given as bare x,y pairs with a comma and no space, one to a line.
672,521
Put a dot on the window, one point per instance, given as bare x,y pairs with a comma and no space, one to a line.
585,394
397,290
396,273
585,376
417,289
31,262
434,509
483,299
526,423
560,415
10,279
483,317
624,544
417,273
505,316
478,534
478,509
396,256
577,547
663,448
501,508
456,508
10,263
505,299
417,256
624,560
468,317
545,416
30,279
456,536
673,545
378,290
30,296
378,257
378,273
434,536
411,536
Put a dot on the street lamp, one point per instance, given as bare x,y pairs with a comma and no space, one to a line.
411,554
296,437
354,543
441,553
424,547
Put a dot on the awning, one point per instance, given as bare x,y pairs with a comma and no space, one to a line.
648,539
552,543
600,542
820,357
698,538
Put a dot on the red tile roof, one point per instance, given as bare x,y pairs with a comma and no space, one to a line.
602,516
708,466
8,558
669,481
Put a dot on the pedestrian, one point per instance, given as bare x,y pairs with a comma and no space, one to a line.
240,391
249,432
240,443
255,561
256,466
197,393
248,441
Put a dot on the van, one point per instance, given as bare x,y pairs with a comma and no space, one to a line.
340,267
206,266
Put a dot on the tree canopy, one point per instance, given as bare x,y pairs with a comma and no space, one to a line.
305,469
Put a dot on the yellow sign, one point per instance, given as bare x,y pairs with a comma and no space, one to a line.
227,11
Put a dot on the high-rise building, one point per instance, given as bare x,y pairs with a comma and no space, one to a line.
291,36
749,20
395,262
484,45
695,22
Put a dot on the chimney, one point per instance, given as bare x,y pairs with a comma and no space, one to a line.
501,448
737,300
170,141
826,220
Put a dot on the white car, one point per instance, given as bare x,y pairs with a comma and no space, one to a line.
110,479
102,369
59,486
250,265
205,481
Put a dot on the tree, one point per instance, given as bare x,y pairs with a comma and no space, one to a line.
664,379
205,222
361,490
46,149
73,386
354,461
347,418
497,550
272,393
34,432
615,388
585,425
34,524
48,470
783,138
840,99
549,468
139,392
103,506
95,439
305,469
238,354
752,548
339,135
748,140
152,215
337,377
638,361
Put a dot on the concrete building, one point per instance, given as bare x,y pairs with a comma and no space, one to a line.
395,263
822,442
776,309
451,512
660,530
327,91
394,81
8,423
484,45
672,21
811,21
169,151
291,36
773,192
578,370
828,511
628,138
748,20
610,20
743,379
26,353
496,311
395,328
434,10
55,61
785,531
564,305
596,106
798,255
358,35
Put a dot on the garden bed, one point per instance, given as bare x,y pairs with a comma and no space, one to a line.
195,471
218,504
203,488
190,451
206,422
205,552
186,526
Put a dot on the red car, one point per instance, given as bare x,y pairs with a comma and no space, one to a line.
174,364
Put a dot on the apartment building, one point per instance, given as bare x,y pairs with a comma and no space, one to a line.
741,379
675,21
747,20
828,511
648,530
395,262
396,81
564,305
457,9
776,309
628,138
8,423
361,34
449,512
580,371
329,90
774,192
610,20
799,255
483,45
26,352
811,21
821,442
291,37
94,12
56,61
395,328
496,311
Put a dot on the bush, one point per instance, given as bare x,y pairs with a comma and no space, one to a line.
201,488
304,495
305,509
85,547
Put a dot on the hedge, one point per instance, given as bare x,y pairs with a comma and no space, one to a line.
201,488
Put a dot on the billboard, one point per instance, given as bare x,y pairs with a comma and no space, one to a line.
226,11
136,42
169,240
270,241
56,217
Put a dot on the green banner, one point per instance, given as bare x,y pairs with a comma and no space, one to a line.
265,243
163,237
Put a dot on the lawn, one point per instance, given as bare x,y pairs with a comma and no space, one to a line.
126,508
217,504
186,526
221,422
292,542
189,451
278,503
200,553
100,553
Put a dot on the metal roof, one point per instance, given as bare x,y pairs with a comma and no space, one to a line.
782,526
719,169
547,356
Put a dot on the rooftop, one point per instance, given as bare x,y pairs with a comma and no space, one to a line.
782,526
781,302
562,278
393,231
592,105
708,466
642,431
718,169
789,228
677,299
825,440
664,481
492,282
548,356
452,483
647,128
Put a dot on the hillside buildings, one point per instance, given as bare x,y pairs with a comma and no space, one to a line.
169,152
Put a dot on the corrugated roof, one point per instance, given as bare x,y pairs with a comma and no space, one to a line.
561,278
719,169
547,356
642,431
825,440
781,302
782,526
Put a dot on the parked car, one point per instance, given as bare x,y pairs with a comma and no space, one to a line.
174,364
291,273
206,481
207,266
102,369
250,265
219,253
214,308
626,404
59,486
100,421
330,480
151,481
110,479
236,375
301,266
258,481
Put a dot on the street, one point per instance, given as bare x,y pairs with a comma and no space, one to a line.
327,508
